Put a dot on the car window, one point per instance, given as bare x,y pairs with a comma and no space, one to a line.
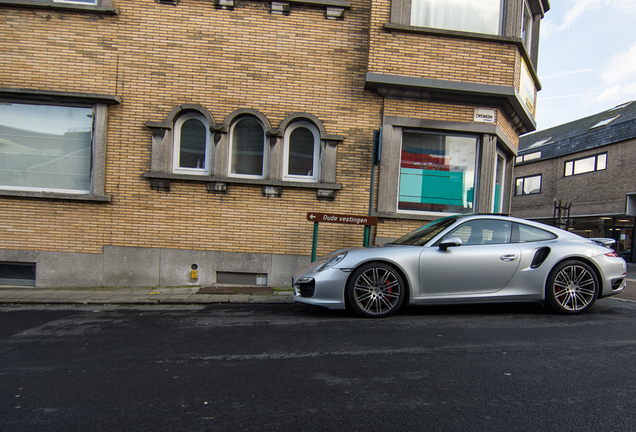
424,234
525,233
483,231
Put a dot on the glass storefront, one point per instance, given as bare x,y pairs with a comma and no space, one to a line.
620,228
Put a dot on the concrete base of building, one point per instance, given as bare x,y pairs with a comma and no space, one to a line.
151,267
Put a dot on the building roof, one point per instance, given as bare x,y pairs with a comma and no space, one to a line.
598,130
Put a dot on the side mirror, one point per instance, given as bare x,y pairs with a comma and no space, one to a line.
450,242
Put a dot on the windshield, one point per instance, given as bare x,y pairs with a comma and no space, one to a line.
423,235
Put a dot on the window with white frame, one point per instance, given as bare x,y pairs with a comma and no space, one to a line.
586,165
302,152
528,157
247,148
46,148
483,16
191,145
529,185
437,172
526,26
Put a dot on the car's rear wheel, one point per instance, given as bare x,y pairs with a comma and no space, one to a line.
572,287
375,290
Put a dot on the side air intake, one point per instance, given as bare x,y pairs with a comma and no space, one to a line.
539,257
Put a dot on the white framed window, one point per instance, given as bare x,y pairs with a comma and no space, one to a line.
438,172
530,185
46,148
586,165
301,152
526,26
528,157
247,148
191,145
483,16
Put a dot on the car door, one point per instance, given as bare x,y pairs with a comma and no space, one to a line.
484,263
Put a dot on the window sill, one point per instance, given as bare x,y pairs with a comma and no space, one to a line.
161,182
55,196
425,217
55,6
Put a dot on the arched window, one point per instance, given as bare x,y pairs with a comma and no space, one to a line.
191,145
247,148
302,147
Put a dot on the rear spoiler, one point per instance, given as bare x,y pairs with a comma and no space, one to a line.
604,241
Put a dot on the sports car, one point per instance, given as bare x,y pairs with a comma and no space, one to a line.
466,259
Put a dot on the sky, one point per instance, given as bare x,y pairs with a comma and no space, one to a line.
587,59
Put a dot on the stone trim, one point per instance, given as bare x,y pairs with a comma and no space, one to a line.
239,180
56,196
161,173
505,98
104,7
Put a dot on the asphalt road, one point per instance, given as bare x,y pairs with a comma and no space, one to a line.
293,368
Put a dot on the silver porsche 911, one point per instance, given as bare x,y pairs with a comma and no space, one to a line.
467,259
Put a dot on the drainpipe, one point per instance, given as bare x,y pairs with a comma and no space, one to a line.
375,160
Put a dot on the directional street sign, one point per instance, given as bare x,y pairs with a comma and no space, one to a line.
341,218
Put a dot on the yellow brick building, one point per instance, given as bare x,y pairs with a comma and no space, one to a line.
141,137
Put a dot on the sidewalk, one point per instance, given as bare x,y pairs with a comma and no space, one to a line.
135,296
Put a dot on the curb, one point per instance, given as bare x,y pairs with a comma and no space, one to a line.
128,296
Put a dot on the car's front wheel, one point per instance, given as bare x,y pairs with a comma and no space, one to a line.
572,287
376,290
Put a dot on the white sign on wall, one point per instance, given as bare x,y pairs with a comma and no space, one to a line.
484,115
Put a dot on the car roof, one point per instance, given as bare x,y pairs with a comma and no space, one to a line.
557,231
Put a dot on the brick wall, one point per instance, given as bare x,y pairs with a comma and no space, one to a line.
447,58
594,193
157,56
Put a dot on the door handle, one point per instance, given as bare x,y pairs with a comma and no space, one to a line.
508,258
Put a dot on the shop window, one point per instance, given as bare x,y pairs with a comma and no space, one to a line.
302,152
482,16
437,172
48,148
528,185
247,148
191,145
586,165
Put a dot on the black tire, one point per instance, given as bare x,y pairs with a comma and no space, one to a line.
375,290
572,287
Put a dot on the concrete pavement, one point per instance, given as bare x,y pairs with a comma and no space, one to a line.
183,295
179,295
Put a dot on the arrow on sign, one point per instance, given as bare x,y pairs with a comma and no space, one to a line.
312,216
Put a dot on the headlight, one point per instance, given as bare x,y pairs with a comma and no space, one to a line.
333,261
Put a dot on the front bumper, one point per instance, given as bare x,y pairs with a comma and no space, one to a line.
320,288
